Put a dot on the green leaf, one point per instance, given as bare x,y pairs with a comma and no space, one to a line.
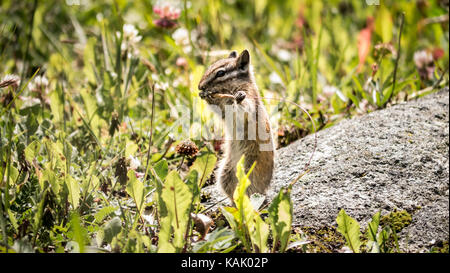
244,181
249,223
204,165
90,105
32,125
89,56
32,150
164,236
162,169
349,228
372,229
240,197
13,174
130,149
135,189
111,229
103,213
384,24
56,105
90,183
164,245
280,218
74,191
260,235
50,176
177,198
231,214
218,240
78,232
192,181
383,239
13,220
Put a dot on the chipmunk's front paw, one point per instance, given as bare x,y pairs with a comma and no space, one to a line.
239,96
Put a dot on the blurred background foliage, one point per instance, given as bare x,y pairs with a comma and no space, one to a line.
92,71
337,57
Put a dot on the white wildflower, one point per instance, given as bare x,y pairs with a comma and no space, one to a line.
29,101
341,95
218,53
363,106
372,87
284,55
422,58
149,218
329,90
275,79
134,163
10,79
155,77
181,37
129,31
425,64
161,85
99,17
374,96
39,84
177,82
130,39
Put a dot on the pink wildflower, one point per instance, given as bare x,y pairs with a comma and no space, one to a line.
168,15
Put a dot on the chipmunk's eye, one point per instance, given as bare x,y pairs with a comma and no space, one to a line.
220,73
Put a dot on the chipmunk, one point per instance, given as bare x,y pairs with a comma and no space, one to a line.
229,84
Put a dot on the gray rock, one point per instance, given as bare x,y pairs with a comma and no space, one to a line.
396,158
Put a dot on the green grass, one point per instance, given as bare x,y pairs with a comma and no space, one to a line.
83,160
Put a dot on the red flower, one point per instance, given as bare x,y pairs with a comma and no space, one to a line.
364,38
164,23
168,15
438,53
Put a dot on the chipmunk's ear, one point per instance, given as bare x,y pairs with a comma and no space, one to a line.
244,59
233,54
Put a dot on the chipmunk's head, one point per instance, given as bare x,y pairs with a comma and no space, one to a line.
226,76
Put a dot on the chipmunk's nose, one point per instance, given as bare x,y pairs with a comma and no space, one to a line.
202,93
201,86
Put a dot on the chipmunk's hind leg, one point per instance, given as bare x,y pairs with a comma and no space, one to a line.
261,175
227,180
